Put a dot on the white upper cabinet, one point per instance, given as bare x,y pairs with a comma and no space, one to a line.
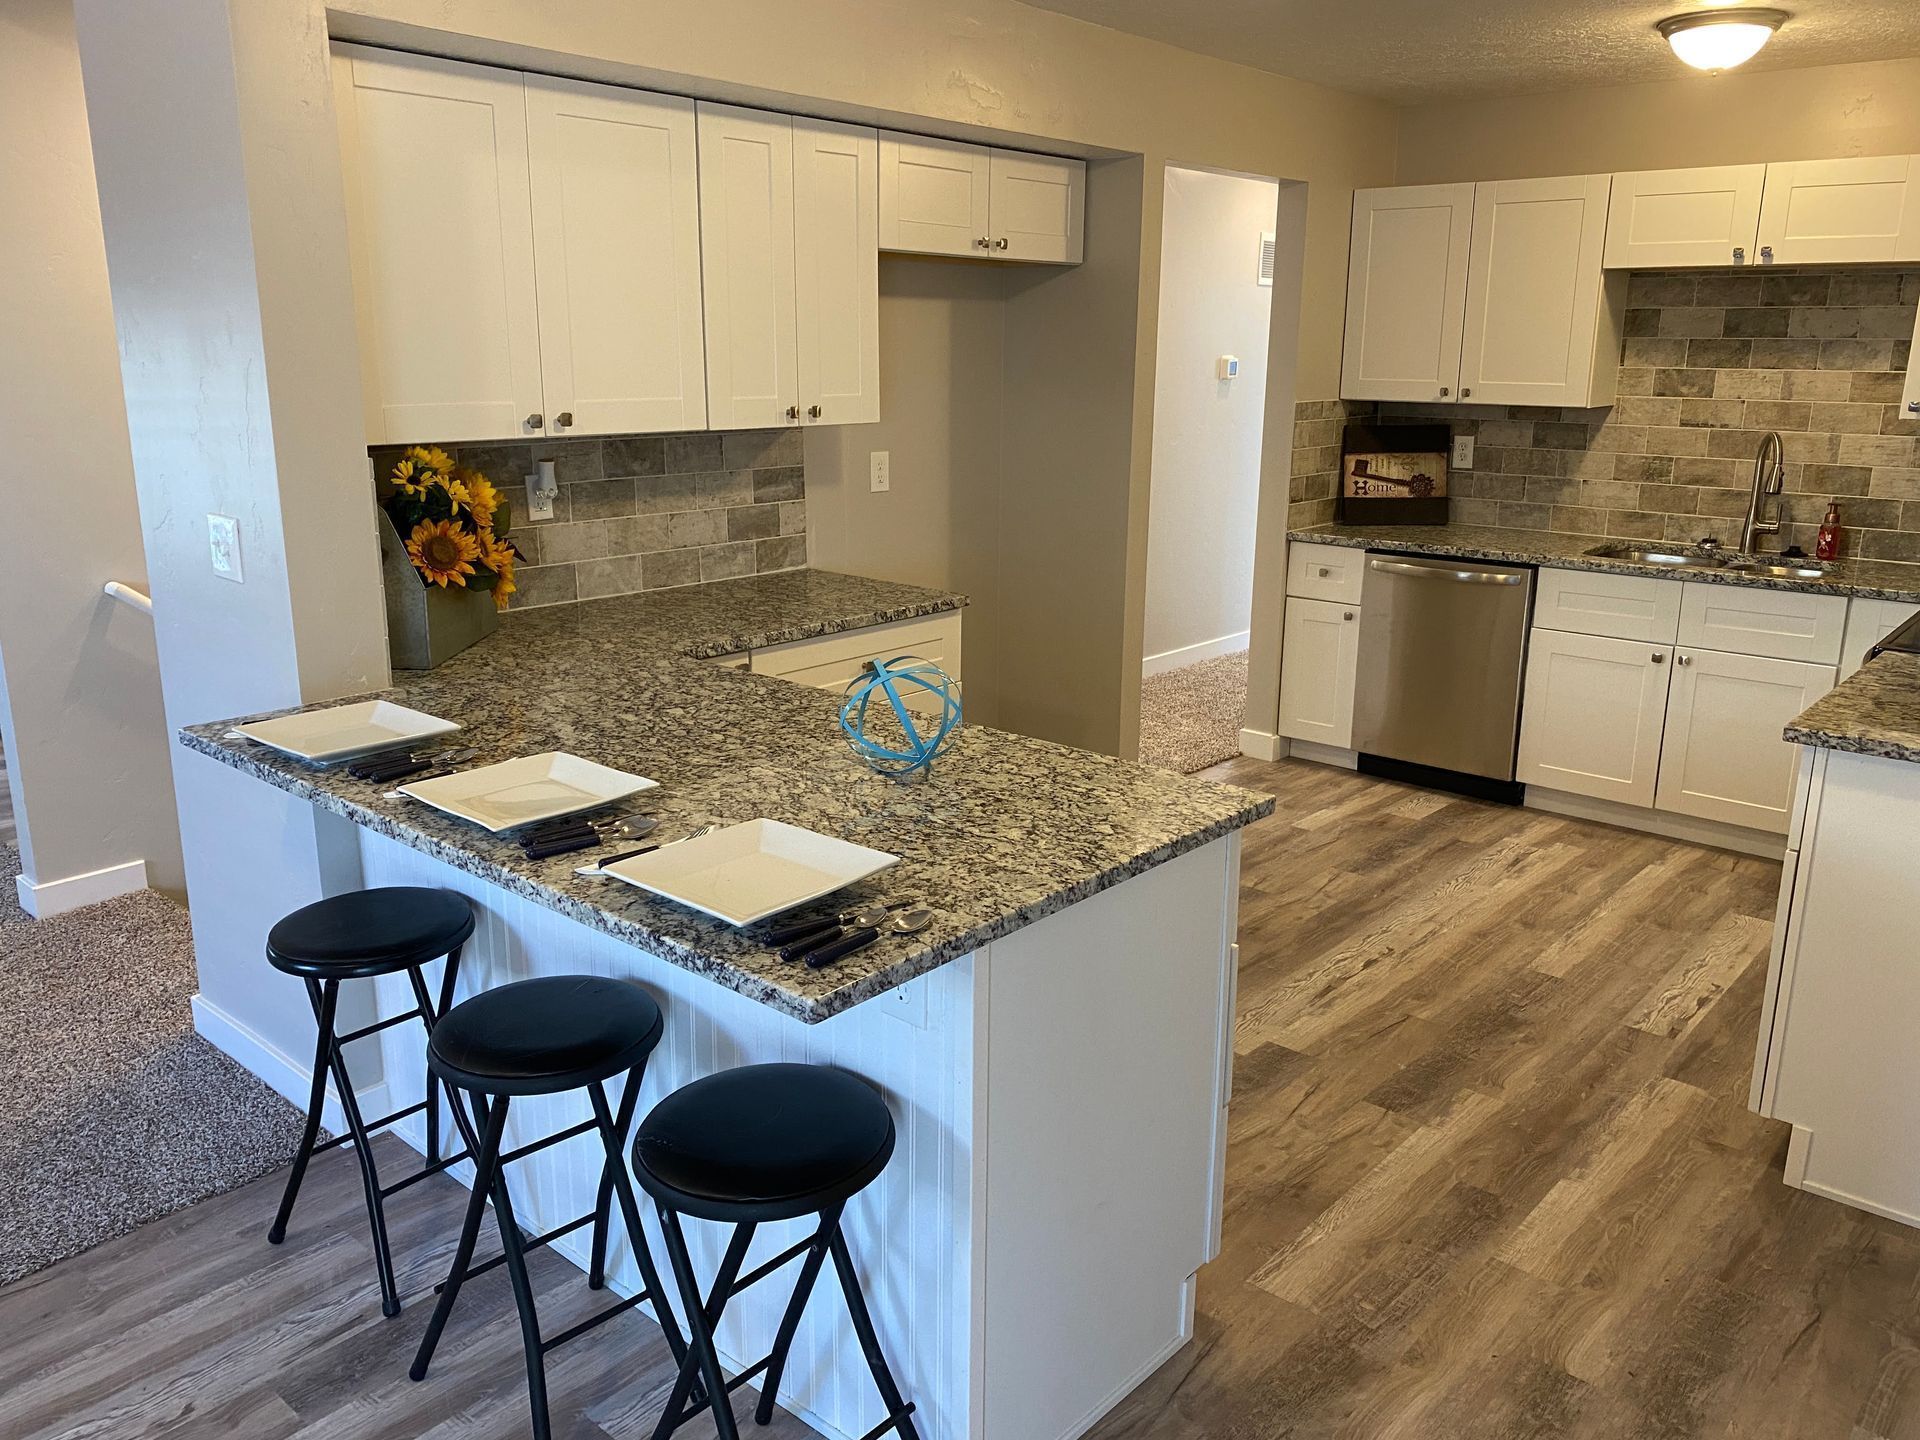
616,233
837,271
1406,292
1819,212
747,252
440,217
934,196
1543,318
1671,218
940,197
1038,207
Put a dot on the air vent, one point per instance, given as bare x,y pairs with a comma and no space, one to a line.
1266,257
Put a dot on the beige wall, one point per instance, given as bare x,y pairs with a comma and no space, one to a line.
1741,118
87,742
1207,431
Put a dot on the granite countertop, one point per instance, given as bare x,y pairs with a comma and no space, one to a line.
1006,831
1874,711
1869,579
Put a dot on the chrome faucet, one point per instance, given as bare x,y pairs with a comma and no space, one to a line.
1769,474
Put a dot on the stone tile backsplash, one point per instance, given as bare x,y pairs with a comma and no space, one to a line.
1711,361
645,512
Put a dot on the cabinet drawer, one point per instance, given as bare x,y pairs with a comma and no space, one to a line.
1325,572
1626,607
1780,624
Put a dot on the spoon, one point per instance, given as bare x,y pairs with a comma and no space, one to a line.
793,941
907,922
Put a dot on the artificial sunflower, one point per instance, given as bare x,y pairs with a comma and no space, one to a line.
442,553
431,457
411,479
482,498
498,555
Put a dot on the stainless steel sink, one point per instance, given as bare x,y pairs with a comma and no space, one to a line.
1652,555
1771,567
1803,570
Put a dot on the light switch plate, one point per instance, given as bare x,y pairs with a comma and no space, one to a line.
1463,452
880,471
223,545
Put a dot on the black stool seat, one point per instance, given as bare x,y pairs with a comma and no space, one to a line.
541,1036
763,1142
364,933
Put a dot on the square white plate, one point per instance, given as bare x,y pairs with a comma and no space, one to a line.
345,732
747,872
519,792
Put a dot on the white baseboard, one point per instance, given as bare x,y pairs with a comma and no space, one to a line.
1716,833
290,1077
45,898
1259,745
1194,654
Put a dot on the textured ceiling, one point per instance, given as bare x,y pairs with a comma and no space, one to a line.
1412,51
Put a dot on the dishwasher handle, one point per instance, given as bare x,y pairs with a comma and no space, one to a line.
1440,572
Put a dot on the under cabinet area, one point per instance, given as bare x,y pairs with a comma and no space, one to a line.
942,197
1320,644
1664,694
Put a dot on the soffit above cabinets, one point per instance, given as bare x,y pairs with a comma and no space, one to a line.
1415,51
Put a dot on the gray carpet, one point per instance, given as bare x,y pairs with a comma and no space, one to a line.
112,1111
1190,717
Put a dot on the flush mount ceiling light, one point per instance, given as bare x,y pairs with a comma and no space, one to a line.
1720,39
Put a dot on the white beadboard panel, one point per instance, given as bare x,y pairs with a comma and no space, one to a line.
910,1231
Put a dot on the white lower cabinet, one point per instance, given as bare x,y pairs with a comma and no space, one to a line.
1723,757
1320,656
1595,708
832,662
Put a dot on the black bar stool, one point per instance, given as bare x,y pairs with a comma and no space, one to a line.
764,1143
358,936
540,1037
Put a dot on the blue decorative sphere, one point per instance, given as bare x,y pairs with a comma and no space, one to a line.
882,727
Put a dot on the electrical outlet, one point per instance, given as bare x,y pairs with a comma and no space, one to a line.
540,494
880,471
1463,452
223,543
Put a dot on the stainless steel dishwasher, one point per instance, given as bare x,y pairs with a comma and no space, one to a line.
1437,694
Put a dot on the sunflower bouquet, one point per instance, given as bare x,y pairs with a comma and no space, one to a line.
453,523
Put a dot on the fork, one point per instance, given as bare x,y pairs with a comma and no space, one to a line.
599,867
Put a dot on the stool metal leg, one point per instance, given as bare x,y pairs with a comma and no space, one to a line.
796,1307
369,1169
429,1017
316,1104
486,1160
869,1342
613,1133
701,1320
522,1291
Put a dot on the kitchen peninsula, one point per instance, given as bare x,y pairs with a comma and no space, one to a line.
1056,1047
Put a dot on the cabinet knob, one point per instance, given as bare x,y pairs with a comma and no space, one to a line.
1659,657
1465,391
1683,659
535,420
1001,243
1766,254
1322,571
814,411
1446,390
1739,254
1346,614
1914,406
565,417
793,412
984,243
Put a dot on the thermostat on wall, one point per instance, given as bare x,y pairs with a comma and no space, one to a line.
1228,367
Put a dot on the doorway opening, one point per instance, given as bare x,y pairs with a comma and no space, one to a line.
1217,263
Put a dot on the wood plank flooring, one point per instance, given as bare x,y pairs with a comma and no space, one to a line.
1491,1175
1492,1172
